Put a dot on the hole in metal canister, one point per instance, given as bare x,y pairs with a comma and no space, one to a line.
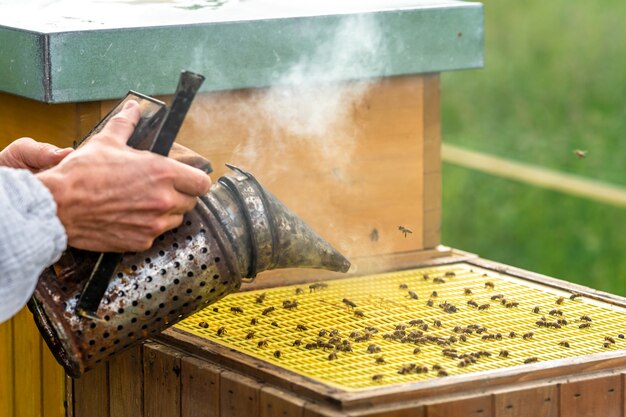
190,274
120,311
162,288
203,267
176,281
148,278
202,283
216,276
175,298
135,303
204,250
217,259
148,296
175,245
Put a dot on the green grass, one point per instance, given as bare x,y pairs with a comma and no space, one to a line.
554,81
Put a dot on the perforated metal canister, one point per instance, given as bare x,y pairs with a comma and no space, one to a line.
235,231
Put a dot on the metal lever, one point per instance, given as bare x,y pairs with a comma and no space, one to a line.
188,85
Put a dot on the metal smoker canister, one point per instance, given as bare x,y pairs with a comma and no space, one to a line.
235,231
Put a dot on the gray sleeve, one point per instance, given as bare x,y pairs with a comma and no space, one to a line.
31,237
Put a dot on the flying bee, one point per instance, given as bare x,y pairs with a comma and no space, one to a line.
527,336
302,327
531,360
373,349
277,354
413,295
580,154
237,310
472,303
349,303
560,300
203,324
250,335
332,356
260,298
359,313
490,285
377,377
504,353
404,231
262,343
564,343
380,360
484,307
221,331
584,325
254,321
467,291
268,310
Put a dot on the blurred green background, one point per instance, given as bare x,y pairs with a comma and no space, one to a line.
554,81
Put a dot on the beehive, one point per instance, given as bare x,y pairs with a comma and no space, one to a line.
410,326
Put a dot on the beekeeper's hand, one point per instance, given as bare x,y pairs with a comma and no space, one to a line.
113,198
34,156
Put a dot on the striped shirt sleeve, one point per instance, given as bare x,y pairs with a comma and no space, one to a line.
31,237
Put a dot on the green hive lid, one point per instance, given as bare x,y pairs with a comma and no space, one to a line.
69,50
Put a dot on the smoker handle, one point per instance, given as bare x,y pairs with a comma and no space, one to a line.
98,282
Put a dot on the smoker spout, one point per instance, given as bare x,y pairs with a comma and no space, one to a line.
272,236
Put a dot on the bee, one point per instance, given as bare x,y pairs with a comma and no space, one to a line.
527,336
575,295
237,310
562,322
555,312
274,324
380,360
490,285
448,308
290,305
262,343
442,373
467,291
302,327
425,277
404,287
424,326
322,333
203,324
497,297
373,348
369,329
401,327
354,334
299,291
580,154
531,360
450,274
472,303
250,335
512,304
536,310
564,343
416,322
437,323
359,313
377,377
277,354
585,318
606,345
560,300
436,367
584,325
268,310
416,350
512,335
406,369
317,286
434,294
463,338
332,356
413,295
404,231
221,331
438,280
609,339
310,346
484,307
254,321
349,303
297,342
260,298
504,353
430,303
621,335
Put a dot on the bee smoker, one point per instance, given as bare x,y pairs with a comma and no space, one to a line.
236,230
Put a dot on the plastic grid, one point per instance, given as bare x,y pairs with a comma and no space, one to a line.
385,303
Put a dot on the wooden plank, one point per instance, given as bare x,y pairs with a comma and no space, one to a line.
432,228
161,367
602,396
536,402
6,369
200,388
126,383
27,365
321,410
239,395
469,407
278,403
91,393
396,410
53,385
